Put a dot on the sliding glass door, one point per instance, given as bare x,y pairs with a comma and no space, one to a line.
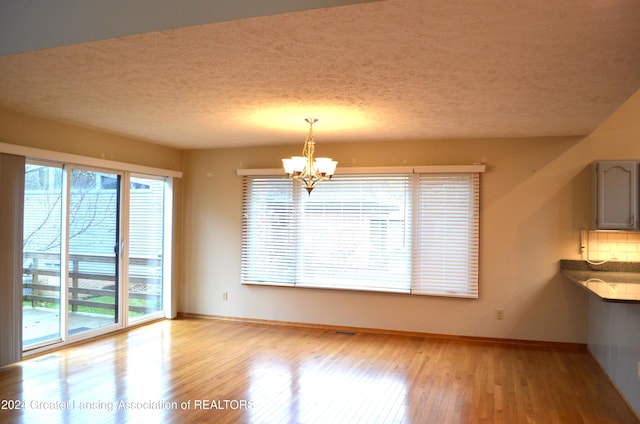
146,248
94,248
41,282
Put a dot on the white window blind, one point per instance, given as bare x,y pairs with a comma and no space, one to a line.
405,233
446,235
269,231
354,234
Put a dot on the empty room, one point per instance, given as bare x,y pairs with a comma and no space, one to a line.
320,211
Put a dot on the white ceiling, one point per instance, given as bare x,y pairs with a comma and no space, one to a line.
386,70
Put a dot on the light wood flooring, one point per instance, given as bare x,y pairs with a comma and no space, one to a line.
209,371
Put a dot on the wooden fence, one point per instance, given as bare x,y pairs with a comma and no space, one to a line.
93,270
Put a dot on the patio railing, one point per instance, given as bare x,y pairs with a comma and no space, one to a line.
91,277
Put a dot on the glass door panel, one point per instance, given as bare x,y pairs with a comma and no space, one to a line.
146,223
93,281
41,303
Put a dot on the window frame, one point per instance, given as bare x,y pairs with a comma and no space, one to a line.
413,174
123,319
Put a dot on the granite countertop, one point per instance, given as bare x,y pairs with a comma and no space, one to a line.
611,281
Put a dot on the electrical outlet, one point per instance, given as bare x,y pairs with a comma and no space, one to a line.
225,295
499,313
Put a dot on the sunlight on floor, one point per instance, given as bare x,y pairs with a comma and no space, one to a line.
313,393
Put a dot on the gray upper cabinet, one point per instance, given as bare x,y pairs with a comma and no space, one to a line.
615,195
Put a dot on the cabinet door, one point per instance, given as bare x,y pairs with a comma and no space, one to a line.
616,198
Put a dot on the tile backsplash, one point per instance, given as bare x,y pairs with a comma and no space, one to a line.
618,245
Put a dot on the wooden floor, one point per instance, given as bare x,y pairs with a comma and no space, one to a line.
194,370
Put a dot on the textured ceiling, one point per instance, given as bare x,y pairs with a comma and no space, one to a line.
388,70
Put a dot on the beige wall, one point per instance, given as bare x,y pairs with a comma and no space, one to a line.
534,202
25,130
31,131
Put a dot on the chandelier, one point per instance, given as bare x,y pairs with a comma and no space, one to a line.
305,168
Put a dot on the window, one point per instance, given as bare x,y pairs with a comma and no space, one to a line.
404,233
147,202
113,227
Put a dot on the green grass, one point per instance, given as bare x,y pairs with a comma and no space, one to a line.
109,300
